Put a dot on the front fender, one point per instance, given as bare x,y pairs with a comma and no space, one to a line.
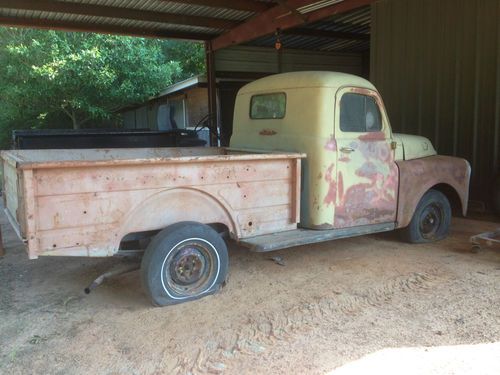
417,176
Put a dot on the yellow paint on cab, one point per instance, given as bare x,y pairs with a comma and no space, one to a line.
308,126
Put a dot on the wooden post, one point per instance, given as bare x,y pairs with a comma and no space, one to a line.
212,92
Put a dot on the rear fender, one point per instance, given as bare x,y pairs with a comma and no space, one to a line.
176,205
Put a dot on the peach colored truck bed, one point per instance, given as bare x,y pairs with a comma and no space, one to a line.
84,202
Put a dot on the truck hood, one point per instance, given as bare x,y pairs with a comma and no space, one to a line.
412,147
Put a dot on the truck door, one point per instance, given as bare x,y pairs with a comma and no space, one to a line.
367,176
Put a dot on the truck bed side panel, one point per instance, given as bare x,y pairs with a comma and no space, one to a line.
87,211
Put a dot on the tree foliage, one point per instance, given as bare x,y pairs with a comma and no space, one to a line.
86,77
190,54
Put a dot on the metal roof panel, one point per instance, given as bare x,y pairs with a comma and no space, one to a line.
356,21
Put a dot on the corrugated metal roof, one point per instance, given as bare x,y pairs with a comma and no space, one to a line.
183,19
144,22
357,22
96,20
166,7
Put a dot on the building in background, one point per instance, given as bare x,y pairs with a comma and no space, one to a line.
184,105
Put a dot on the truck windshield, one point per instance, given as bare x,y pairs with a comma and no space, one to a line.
268,106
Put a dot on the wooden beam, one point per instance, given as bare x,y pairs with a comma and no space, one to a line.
104,29
246,5
327,34
279,17
264,23
116,12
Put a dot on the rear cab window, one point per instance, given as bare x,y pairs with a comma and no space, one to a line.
268,106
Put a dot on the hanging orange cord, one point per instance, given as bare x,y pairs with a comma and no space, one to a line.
278,44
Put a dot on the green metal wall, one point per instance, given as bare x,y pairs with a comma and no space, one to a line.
437,65
265,60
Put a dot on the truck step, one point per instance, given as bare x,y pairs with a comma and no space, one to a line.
298,237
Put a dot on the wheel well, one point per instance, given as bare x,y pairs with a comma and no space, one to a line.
141,239
220,228
176,205
453,197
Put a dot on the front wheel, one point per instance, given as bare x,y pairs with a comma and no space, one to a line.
431,220
184,262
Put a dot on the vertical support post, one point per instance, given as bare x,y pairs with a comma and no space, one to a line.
212,93
2,250
280,60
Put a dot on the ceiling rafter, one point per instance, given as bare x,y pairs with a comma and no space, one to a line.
117,12
280,17
99,28
246,5
302,31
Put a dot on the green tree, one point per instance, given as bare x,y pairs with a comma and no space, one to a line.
190,54
85,76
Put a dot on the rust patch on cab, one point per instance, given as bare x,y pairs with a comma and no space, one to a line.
267,132
368,195
331,196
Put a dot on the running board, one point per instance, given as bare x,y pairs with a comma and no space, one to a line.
298,237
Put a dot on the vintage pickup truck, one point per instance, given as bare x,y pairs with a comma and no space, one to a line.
312,159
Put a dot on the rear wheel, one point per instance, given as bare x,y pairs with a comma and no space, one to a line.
184,262
431,220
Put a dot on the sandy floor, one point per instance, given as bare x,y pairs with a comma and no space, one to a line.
356,306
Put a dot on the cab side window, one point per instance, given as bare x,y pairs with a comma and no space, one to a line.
359,114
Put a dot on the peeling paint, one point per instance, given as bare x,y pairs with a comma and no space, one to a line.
369,179
267,132
87,209
372,136
420,175
341,186
332,186
331,145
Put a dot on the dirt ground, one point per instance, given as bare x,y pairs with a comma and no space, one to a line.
355,306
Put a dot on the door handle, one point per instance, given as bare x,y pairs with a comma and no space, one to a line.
346,150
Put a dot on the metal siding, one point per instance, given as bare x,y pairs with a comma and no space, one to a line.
129,119
437,65
246,59
265,60
153,116
141,118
